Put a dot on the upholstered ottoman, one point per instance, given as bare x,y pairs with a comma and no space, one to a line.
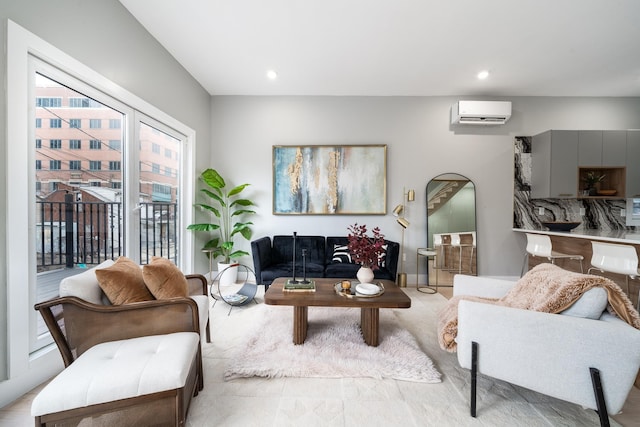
138,381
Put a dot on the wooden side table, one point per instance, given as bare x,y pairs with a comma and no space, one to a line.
427,253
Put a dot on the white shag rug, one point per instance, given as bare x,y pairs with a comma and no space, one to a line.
334,348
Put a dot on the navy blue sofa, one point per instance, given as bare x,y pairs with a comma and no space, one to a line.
325,257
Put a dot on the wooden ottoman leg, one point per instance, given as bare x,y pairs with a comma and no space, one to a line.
300,324
369,322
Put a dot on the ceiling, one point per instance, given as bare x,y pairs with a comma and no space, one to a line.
402,47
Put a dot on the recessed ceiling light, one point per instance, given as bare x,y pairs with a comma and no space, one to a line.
483,74
272,75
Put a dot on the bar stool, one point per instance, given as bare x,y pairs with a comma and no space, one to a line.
540,245
614,258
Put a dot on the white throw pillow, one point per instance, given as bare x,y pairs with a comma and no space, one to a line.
590,305
84,285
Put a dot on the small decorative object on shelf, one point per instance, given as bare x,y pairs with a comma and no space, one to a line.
590,179
298,286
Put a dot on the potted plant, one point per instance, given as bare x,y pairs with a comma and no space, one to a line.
225,208
365,250
590,179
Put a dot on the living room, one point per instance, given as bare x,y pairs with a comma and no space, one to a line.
235,132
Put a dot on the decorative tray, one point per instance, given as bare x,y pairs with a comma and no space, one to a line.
352,293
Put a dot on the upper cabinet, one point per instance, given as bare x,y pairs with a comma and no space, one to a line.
554,164
561,158
602,148
633,163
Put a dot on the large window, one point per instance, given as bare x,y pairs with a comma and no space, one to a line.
100,202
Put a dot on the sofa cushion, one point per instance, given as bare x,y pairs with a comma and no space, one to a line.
119,370
164,280
123,283
341,254
590,305
84,285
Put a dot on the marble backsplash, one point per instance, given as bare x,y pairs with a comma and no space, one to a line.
601,214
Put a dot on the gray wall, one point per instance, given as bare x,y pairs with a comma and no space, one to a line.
421,144
105,37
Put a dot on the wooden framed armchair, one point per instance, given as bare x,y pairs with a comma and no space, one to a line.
139,361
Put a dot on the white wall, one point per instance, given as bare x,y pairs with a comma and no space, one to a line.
421,144
105,37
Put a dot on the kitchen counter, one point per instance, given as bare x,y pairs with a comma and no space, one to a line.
613,236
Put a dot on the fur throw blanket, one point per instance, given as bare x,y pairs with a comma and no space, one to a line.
546,288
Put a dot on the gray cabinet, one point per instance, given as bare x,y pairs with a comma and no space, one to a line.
602,148
633,163
554,164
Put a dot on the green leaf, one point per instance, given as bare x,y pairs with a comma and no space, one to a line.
212,178
238,254
242,211
214,196
203,227
209,208
237,189
242,202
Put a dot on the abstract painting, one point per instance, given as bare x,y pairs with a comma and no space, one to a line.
329,179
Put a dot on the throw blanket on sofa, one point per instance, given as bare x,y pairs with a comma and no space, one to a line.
546,288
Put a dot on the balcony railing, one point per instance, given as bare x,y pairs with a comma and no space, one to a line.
73,233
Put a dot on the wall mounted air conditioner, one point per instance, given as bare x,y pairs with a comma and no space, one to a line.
480,112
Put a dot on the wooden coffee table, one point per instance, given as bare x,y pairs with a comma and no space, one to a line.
326,296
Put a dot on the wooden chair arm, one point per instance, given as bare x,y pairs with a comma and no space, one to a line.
77,325
197,284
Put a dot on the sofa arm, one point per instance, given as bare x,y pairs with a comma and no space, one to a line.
485,287
550,353
77,325
261,253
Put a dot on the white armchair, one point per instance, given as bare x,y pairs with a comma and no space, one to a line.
589,362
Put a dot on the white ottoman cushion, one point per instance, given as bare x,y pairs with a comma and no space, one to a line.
119,370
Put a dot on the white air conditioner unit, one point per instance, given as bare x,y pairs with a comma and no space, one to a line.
480,112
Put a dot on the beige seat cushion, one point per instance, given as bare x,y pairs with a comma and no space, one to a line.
123,283
164,280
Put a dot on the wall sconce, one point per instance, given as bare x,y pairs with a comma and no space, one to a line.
404,223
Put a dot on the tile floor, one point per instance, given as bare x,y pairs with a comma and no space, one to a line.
355,402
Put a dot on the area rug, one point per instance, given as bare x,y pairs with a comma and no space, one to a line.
334,348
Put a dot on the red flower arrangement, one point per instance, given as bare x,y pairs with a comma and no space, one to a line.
365,250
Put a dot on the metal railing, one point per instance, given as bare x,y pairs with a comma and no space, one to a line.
74,233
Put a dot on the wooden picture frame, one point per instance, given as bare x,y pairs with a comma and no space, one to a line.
329,179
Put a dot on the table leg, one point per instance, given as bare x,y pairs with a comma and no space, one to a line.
300,324
369,324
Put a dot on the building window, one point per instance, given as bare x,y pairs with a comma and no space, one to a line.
95,123
83,103
38,123
48,102
55,123
94,144
74,165
38,186
167,153
155,168
38,144
115,144
96,184
161,193
114,165
116,184
54,165
75,144
167,171
55,144
114,124
38,164
53,186
155,148
95,165
75,123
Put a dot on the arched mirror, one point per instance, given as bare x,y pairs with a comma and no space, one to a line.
451,227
